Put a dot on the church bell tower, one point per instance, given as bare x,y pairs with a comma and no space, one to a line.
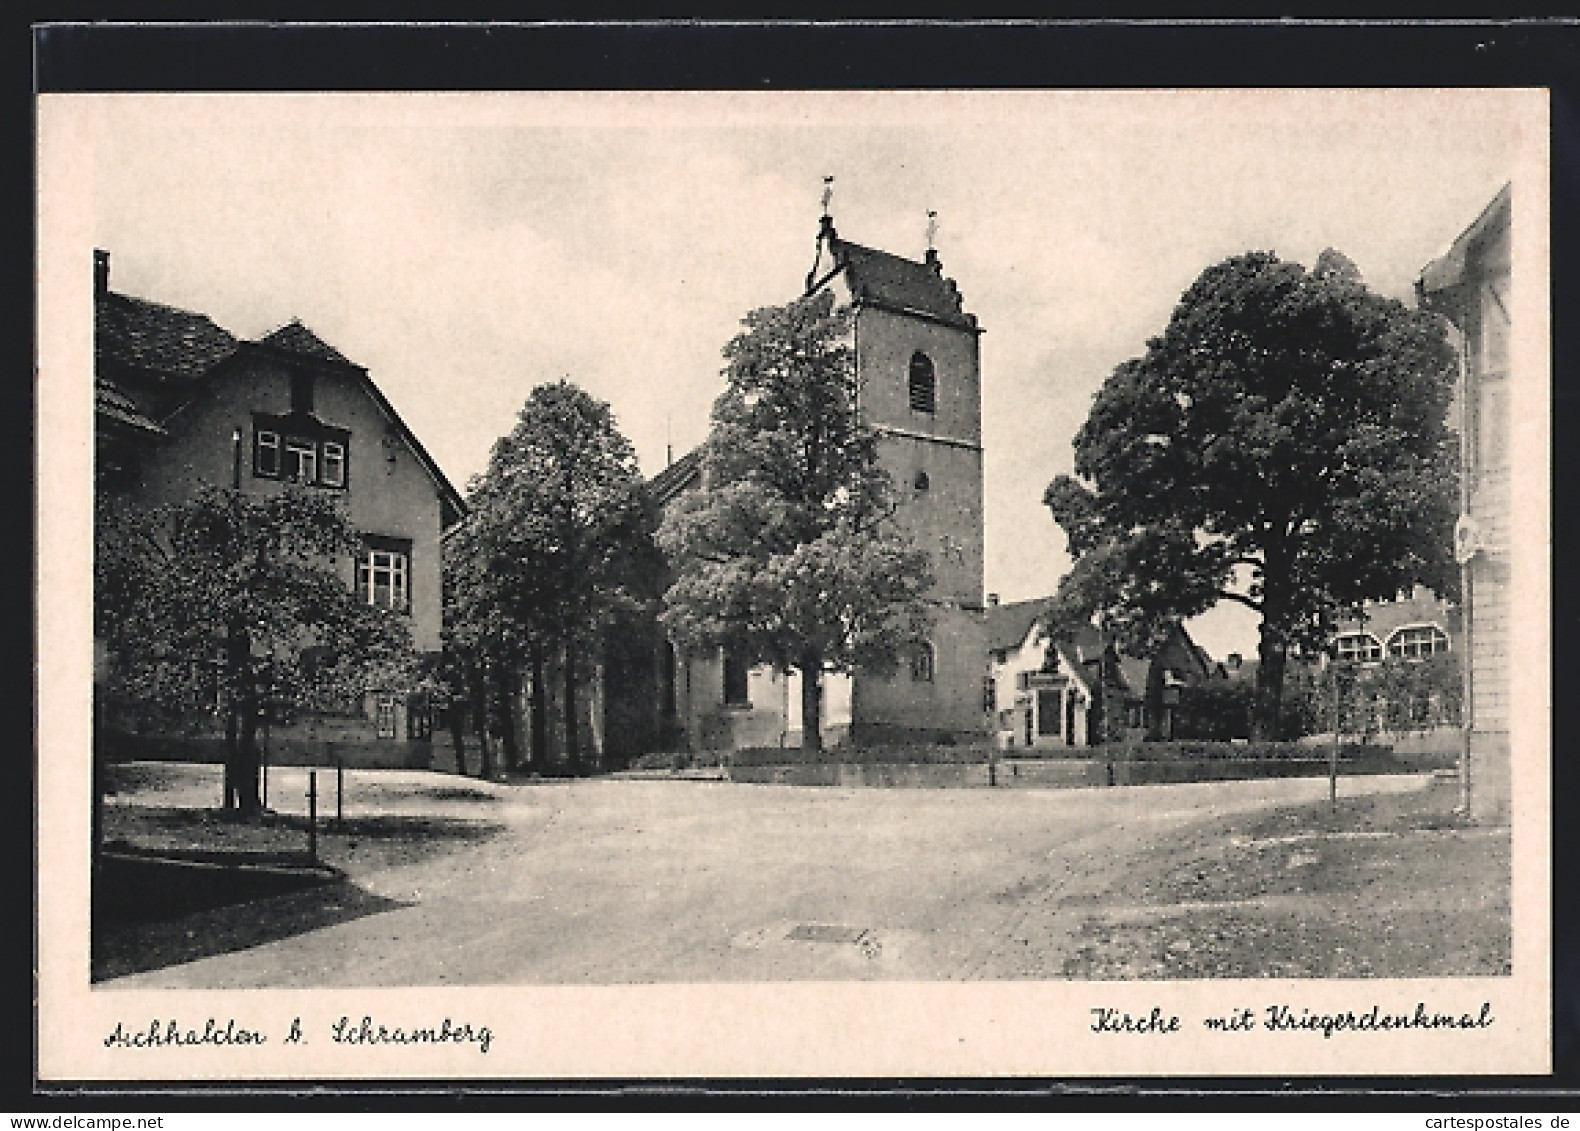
919,374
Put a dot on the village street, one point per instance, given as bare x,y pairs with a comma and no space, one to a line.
619,881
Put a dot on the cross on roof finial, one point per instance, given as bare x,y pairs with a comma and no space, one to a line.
828,193
932,229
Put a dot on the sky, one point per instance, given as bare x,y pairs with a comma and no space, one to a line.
468,247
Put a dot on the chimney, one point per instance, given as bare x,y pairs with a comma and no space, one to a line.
101,273
992,600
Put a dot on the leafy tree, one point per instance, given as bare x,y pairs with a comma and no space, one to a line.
559,537
240,599
1282,444
790,555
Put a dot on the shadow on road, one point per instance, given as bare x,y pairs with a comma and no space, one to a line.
151,911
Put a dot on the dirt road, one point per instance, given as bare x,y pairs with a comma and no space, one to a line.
667,881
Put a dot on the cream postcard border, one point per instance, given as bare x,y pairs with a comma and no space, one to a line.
731,1030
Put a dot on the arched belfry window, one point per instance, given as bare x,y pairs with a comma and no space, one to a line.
924,383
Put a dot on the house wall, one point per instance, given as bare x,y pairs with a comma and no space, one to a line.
1487,344
1486,453
1017,714
388,491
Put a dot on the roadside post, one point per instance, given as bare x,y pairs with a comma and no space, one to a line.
1333,749
340,791
264,773
312,815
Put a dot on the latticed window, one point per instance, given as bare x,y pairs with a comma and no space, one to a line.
384,573
922,663
924,383
1414,643
1359,648
301,460
334,472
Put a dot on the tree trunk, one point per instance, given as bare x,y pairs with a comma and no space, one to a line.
540,711
1154,701
1272,652
232,750
504,703
458,733
241,725
249,766
480,721
811,702
573,757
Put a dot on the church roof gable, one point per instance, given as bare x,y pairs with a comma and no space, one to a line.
901,284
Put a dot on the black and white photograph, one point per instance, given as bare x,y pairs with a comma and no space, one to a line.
758,583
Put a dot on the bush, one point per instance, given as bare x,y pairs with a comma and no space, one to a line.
1394,696
914,754
1217,711
1188,751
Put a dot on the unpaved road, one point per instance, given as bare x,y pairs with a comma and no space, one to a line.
610,881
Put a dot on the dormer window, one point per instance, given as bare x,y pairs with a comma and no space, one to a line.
301,460
266,452
334,469
300,450
924,384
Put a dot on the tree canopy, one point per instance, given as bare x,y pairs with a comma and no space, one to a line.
242,600
789,555
559,537
1282,444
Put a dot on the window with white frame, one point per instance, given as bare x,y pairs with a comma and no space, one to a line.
300,450
384,573
384,715
1417,641
301,460
333,473
266,452
1358,648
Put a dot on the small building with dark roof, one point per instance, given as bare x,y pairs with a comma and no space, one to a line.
1046,681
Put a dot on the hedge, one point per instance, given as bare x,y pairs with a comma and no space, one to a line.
915,755
1199,750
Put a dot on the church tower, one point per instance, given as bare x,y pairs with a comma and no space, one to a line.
920,379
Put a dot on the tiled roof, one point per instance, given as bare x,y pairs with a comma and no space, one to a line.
902,283
297,338
676,477
1007,625
163,339
111,403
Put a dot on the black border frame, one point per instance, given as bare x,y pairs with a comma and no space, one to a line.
73,55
